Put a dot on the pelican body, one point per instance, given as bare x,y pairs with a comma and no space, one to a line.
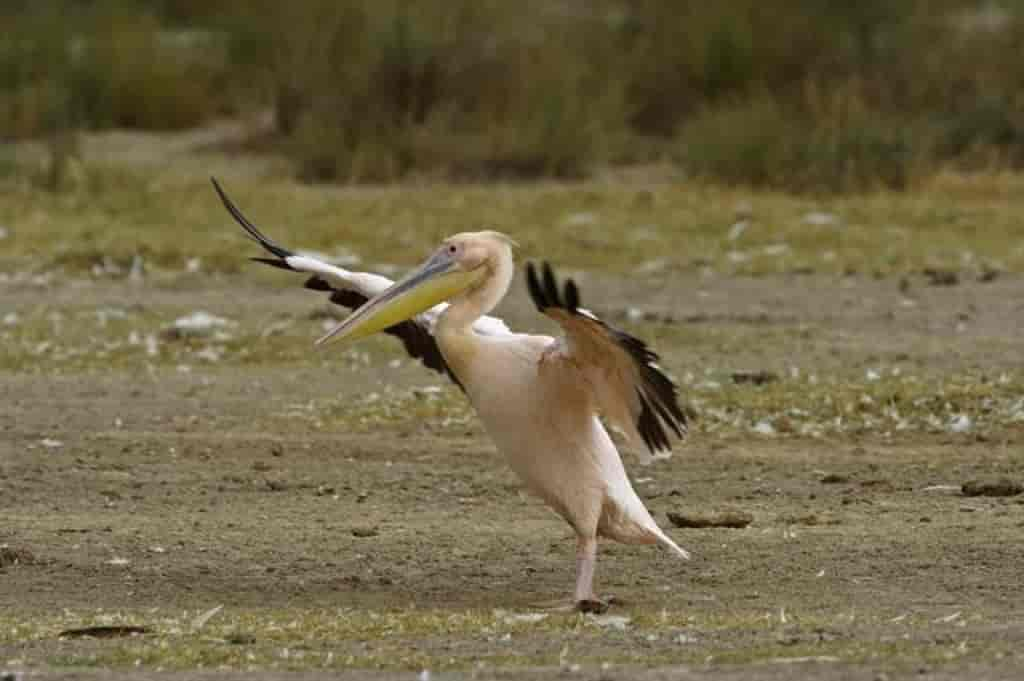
540,399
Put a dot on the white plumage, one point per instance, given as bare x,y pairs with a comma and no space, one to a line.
540,398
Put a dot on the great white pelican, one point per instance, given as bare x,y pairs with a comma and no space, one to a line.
539,397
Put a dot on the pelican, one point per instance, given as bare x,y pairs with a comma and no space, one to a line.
540,398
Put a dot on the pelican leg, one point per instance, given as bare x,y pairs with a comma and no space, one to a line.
586,561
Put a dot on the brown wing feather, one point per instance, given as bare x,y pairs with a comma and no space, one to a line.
624,362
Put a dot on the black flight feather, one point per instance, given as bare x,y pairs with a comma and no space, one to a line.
416,339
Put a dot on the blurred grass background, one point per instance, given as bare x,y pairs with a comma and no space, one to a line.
799,95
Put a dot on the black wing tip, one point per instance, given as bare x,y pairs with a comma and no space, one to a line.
534,288
279,263
650,428
544,289
655,415
572,296
247,225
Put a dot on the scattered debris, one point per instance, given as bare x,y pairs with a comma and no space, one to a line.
210,354
834,479
200,621
276,485
50,443
949,489
106,267
240,638
732,519
106,631
364,532
941,277
775,250
197,324
325,490
10,555
804,660
427,391
988,274
193,265
760,377
138,269
821,219
764,427
737,230
654,266
118,562
808,520
580,219
961,423
617,622
1003,487
521,618
276,328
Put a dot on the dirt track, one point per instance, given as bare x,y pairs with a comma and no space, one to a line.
175,491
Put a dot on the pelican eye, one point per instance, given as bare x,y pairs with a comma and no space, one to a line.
453,249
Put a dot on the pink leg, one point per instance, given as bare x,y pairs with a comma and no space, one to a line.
586,561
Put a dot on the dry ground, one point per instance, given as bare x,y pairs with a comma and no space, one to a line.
347,512
179,485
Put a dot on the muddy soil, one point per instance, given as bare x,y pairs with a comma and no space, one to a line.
134,490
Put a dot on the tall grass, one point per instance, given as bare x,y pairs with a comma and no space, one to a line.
102,64
798,94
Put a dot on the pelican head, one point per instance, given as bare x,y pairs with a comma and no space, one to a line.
461,264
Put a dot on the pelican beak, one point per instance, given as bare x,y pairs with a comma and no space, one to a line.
435,281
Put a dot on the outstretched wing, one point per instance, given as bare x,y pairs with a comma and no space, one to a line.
351,289
629,387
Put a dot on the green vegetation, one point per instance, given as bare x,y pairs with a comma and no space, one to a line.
800,95
955,223
414,639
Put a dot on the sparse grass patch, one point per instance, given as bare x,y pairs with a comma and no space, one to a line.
415,639
616,228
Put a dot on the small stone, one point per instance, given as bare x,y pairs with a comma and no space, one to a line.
1004,487
240,638
364,532
988,274
834,479
10,555
759,377
730,519
961,423
275,485
941,277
